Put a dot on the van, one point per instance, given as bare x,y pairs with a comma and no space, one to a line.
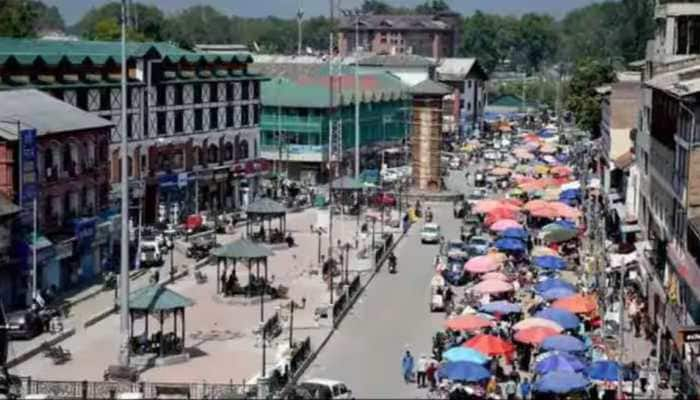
326,389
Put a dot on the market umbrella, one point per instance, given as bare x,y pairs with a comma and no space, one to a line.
492,286
550,262
501,307
560,235
543,251
490,345
561,382
481,264
571,185
467,323
500,214
545,212
495,275
560,362
497,256
607,370
500,171
510,245
563,343
577,304
503,224
566,224
488,205
541,169
535,335
552,283
463,371
565,210
533,204
537,322
566,319
557,293
561,170
570,194
514,233
468,354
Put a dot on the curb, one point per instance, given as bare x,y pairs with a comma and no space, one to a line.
312,357
37,349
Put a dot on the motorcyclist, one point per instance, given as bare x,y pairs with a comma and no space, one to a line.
393,262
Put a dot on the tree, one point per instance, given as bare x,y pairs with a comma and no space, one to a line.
19,18
146,22
48,18
432,7
199,24
489,38
375,7
536,41
636,28
582,99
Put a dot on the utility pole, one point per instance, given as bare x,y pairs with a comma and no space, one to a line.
300,17
124,356
331,127
357,96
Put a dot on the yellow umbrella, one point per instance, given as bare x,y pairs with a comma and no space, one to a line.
541,169
551,194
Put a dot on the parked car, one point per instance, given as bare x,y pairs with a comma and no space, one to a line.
326,389
385,199
24,325
150,254
430,233
476,195
456,250
478,245
389,176
470,222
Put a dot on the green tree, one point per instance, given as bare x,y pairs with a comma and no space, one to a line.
536,41
375,7
146,22
636,28
19,18
48,18
489,37
582,99
432,7
199,24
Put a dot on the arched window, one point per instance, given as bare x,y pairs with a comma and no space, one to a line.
195,156
228,151
67,160
213,153
202,156
129,166
243,150
90,154
49,164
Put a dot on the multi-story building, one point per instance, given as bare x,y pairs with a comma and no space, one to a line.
296,113
435,36
468,80
192,118
72,188
8,212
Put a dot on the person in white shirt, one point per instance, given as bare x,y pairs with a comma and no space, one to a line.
421,368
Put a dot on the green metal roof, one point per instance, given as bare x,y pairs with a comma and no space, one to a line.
313,91
242,249
157,298
28,51
265,206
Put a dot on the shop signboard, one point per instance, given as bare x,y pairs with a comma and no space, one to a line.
64,250
167,181
690,334
182,179
28,174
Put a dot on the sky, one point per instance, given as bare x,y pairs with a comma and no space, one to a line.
72,10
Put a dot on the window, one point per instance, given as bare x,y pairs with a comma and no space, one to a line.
178,95
213,93
229,116
198,119
213,118
81,100
179,121
129,92
197,89
243,150
160,95
646,163
130,126
160,123
256,115
213,153
245,117
105,103
228,151
229,92
256,90
244,90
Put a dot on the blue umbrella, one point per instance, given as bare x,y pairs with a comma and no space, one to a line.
561,382
557,293
606,370
463,371
565,319
550,262
553,283
563,343
510,245
514,233
501,307
545,133
570,194
461,353
566,224
561,362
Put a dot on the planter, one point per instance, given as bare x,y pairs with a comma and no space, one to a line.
114,77
205,73
221,73
70,78
93,78
186,74
169,75
46,79
19,79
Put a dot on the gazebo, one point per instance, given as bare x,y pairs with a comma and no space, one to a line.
262,210
159,300
345,188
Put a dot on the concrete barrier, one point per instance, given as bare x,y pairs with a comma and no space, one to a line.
13,362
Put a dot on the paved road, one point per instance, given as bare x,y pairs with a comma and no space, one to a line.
391,317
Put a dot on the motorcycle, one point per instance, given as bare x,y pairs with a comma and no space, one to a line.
392,263
429,216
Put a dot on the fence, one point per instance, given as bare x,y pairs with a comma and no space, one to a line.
64,390
380,253
354,286
339,308
299,355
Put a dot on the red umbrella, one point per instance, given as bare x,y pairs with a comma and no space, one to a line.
577,304
534,335
467,323
490,345
561,170
499,214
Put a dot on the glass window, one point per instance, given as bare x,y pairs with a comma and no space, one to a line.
256,114
179,121
198,119
197,90
105,102
256,90
213,155
245,117
160,95
213,118
213,93
178,95
244,90
81,100
229,116
160,122
130,126
229,91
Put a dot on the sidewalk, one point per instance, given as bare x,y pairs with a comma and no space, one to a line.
220,338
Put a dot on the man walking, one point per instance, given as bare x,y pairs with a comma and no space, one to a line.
407,367
421,370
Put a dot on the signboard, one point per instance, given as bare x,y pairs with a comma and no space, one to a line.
182,179
29,168
64,250
85,229
167,181
690,334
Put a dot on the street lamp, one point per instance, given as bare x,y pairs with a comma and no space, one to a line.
356,13
171,248
347,262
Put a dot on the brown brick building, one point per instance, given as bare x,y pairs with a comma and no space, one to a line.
435,36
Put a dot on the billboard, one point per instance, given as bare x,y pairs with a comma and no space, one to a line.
29,168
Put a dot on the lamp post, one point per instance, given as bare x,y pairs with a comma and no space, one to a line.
347,263
171,248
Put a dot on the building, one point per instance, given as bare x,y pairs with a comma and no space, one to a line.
468,81
667,157
435,36
410,68
192,119
295,120
8,212
620,103
72,187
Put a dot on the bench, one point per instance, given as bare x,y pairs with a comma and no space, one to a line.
173,392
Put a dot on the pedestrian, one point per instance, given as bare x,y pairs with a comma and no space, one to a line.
421,370
525,388
407,367
510,389
644,375
492,387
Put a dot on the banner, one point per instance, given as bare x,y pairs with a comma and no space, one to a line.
29,168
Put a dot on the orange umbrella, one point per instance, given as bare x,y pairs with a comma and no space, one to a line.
490,345
500,276
515,202
565,210
500,171
561,170
467,323
577,304
534,335
489,205
545,212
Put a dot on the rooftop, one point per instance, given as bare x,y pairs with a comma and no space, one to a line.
29,51
457,69
443,22
46,114
396,60
431,88
680,83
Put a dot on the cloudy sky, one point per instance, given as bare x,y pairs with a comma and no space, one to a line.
73,9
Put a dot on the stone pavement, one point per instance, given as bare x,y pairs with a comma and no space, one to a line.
220,338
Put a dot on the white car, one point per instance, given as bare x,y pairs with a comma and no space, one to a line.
455,163
430,233
326,389
389,176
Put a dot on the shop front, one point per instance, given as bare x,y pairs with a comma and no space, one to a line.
68,275
85,230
